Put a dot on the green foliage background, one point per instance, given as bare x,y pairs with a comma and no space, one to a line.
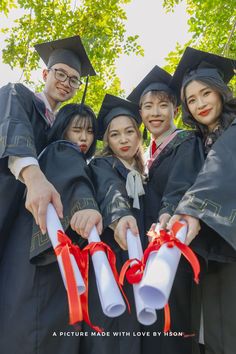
101,24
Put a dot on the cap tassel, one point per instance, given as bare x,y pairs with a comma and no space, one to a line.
145,135
84,93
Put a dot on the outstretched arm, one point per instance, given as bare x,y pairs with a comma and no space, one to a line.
40,192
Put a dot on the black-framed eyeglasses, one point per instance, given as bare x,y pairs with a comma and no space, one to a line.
60,75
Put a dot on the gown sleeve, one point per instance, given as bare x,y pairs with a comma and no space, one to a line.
186,163
22,133
65,167
16,132
212,198
110,189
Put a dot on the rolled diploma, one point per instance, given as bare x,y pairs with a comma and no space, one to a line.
54,225
109,293
145,314
160,271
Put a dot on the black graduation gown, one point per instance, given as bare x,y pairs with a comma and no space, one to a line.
109,179
33,301
23,129
170,176
212,200
75,187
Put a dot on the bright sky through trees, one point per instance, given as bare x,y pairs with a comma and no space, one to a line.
158,34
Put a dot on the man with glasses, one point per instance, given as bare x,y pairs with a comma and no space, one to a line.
62,76
25,118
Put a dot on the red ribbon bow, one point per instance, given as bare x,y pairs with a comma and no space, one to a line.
134,272
164,237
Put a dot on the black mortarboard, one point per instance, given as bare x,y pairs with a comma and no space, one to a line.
69,51
113,107
195,64
156,80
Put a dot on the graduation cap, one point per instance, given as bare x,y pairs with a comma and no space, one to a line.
84,94
156,80
113,107
69,51
195,64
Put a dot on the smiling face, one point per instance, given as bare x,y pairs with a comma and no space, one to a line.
123,138
80,132
204,104
55,90
157,112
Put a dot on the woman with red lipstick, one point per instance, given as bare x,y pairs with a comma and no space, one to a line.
209,205
117,178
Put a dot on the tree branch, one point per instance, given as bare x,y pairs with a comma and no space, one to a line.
227,44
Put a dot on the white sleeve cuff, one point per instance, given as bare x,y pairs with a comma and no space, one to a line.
16,164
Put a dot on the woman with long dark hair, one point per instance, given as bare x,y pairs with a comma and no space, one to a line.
117,177
209,205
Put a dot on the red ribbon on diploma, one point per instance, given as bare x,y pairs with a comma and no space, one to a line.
78,304
134,272
169,238
91,248
65,248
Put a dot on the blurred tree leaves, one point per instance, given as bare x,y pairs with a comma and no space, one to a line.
213,27
6,6
101,25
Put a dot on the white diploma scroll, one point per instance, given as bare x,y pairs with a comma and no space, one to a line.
54,225
109,293
160,271
145,314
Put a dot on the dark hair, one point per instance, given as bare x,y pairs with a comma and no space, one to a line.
228,113
66,114
163,95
